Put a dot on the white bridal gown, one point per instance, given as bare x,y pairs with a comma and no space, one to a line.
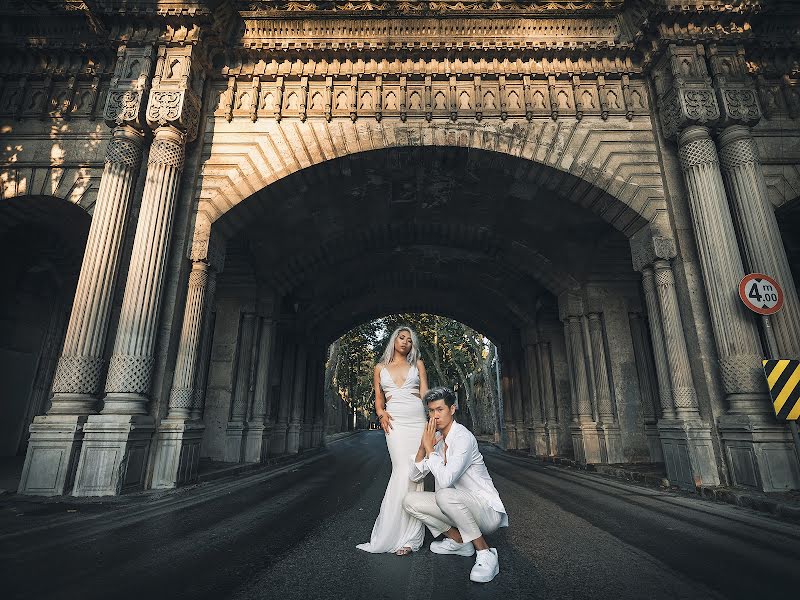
395,528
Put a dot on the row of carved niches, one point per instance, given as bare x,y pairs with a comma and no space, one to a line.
22,98
427,97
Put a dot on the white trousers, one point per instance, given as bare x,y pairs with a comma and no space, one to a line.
449,507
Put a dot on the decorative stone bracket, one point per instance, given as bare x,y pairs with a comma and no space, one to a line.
685,94
177,86
129,85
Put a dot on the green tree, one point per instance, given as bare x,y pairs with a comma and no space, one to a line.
455,355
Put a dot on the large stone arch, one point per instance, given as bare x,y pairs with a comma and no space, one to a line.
610,167
42,240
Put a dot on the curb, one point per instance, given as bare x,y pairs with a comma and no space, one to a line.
744,499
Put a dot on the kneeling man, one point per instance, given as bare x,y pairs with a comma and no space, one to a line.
466,505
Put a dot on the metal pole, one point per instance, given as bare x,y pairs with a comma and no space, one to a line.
772,349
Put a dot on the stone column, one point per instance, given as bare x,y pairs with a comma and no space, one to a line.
759,449
758,229
648,384
544,361
279,433
77,379
734,330
607,423
685,438
56,438
258,432
173,111
234,432
585,438
684,397
177,441
298,402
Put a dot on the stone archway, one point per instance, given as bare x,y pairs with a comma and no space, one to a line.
609,166
42,240
482,236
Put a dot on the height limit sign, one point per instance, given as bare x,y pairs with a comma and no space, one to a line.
761,293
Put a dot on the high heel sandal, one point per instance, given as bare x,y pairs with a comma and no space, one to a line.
404,551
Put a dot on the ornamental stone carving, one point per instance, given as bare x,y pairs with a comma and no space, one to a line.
653,242
177,84
736,92
685,94
126,96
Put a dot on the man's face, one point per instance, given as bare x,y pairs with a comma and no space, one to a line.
441,413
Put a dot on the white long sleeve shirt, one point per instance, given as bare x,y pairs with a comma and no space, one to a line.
462,468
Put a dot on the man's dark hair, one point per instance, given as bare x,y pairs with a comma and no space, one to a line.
440,393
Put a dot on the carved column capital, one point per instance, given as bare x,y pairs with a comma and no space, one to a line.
177,86
736,92
654,242
570,304
125,147
127,95
684,89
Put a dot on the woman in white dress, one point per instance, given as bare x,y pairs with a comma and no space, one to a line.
400,383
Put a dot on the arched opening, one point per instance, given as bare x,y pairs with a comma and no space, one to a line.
456,356
475,235
42,240
788,217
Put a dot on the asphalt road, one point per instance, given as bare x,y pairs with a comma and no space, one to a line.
293,534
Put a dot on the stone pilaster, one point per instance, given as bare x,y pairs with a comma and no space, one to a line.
234,432
586,441
648,385
537,433
124,423
177,441
56,438
257,436
280,432
298,402
607,423
553,431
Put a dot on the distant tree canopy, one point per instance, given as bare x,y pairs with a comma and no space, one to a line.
454,355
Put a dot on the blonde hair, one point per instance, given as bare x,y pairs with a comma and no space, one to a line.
388,353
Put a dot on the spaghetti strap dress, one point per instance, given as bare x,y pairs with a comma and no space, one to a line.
395,528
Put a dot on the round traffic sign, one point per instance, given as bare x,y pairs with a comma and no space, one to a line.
761,293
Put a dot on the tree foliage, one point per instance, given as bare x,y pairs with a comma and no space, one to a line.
455,355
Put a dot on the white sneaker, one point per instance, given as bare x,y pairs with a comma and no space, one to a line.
486,566
448,546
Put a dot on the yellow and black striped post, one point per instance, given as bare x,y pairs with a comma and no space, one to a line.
783,379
